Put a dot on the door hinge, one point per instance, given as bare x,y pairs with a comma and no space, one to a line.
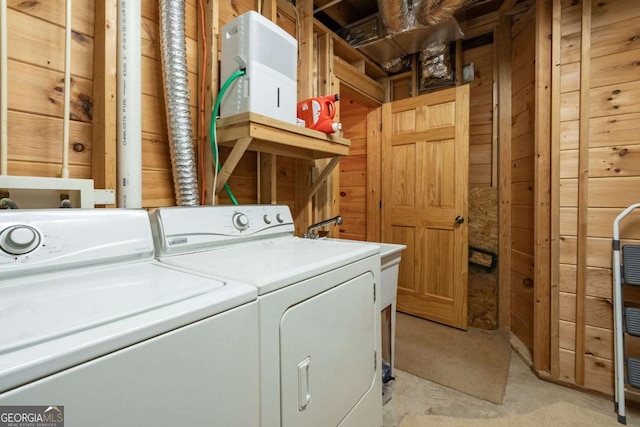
375,361
380,204
374,292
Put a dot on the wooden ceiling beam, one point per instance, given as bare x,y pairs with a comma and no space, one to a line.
512,7
506,6
343,13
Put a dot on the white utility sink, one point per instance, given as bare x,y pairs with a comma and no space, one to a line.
390,255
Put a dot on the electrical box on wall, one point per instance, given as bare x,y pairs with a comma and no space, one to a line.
29,192
269,55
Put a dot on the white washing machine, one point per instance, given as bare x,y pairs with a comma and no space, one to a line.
320,363
92,322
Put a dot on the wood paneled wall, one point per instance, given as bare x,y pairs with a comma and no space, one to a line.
36,87
483,207
353,171
599,176
522,176
481,103
36,91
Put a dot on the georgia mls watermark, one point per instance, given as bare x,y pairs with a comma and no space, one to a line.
32,416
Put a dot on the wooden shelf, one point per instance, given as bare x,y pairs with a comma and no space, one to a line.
253,132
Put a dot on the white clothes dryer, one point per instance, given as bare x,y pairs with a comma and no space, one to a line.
320,363
91,322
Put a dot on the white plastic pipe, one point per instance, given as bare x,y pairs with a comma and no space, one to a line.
3,88
67,91
129,156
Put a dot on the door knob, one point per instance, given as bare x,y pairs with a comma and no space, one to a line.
459,219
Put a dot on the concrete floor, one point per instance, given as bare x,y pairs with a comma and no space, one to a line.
524,393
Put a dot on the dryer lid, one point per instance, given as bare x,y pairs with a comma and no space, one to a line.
272,264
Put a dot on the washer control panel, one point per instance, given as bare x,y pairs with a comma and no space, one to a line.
51,239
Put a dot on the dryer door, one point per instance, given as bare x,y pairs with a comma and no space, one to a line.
327,349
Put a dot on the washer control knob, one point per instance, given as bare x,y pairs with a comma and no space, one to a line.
279,218
19,239
240,221
266,219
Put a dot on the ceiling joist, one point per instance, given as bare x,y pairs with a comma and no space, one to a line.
343,13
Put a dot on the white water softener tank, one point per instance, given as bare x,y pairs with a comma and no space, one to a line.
269,56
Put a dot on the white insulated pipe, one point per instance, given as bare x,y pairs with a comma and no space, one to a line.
67,91
3,89
129,155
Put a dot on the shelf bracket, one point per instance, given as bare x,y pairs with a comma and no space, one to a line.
323,175
232,161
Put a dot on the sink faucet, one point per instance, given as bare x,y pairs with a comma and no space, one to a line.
310,234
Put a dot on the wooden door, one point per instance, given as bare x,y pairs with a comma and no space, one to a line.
425,162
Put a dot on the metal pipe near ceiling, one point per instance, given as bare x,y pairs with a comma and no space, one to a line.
326,6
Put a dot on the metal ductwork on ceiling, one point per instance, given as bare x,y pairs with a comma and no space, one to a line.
403,27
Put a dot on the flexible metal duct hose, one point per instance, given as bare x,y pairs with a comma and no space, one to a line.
395,15
433,12
422,9
173,47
